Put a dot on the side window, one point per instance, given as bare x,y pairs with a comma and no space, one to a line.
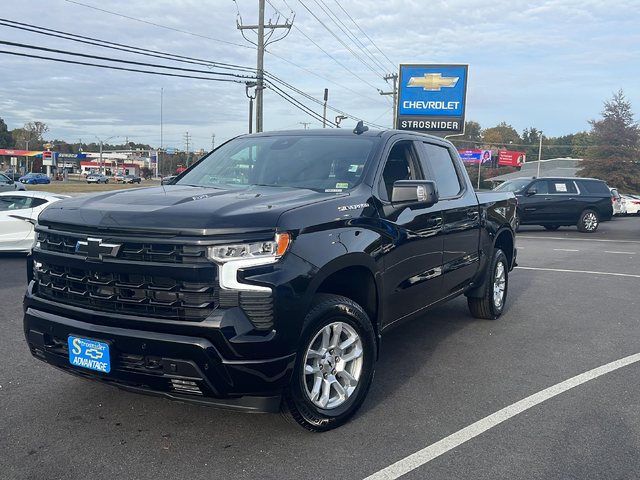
36,202
542,187
402,164
4,179
444,171
562,186
14,203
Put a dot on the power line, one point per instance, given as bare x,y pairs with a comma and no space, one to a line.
316,100
117,46
350,34
158,25
375,72
297,103
111,67
129,62
325,52
395,65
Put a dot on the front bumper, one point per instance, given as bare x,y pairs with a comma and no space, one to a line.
178,367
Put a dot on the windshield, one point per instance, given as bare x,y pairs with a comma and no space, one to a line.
513,185
323,163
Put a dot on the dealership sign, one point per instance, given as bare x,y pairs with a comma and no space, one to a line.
512,159
431,98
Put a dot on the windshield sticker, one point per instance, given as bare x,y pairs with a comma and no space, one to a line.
353,168
332,190
353,207
342,185
561,187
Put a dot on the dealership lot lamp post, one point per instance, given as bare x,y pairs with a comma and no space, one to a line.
539,156
101,145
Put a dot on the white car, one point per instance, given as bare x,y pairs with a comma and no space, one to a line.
97,178
18,214
8,185
617,203
632,204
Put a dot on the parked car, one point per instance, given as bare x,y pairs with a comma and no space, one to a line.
556,202
275,290
168,180
616,202
13,175
9,185
118,177
132,179
97,178
632,204
35,178
18,214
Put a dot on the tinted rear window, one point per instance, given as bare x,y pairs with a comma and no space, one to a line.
594,187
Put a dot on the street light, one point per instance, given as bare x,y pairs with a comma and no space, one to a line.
539,155
101,144
339,118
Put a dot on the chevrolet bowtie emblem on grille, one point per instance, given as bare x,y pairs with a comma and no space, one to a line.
433,82
96,250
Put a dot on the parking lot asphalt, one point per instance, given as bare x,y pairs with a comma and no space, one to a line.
436,376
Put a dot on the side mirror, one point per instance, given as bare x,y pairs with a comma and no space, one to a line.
532,192
414,192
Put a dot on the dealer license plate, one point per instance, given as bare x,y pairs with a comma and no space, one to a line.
89,354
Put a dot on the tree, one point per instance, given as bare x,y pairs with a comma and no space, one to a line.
581,142
6,140
502,134
472,136
29,137
147,173
614,155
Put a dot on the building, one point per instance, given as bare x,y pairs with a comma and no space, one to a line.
554,167
110,167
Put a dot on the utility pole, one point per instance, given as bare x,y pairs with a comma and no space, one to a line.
394,77
213,141
159,160
260,27
539,156
187,138
324,108
305,124
251,98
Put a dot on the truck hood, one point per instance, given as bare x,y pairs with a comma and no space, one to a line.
187,210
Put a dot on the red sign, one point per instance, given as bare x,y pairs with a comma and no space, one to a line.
512,159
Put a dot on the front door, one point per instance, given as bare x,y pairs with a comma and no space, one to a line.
413,261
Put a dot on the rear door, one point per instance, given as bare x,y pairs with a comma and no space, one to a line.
566,204
460,216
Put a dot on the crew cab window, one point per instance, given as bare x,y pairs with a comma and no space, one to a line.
36,202
443,170
402,164
14,203
562,187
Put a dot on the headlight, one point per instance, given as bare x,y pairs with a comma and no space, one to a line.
272,249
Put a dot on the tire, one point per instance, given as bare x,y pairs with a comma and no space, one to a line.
552,228
488,307
589,221
302,404
106,181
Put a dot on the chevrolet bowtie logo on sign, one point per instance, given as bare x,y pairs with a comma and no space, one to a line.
432,82
95,250
432,98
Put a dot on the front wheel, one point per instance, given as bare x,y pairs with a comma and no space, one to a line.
334,365
491,305
589,221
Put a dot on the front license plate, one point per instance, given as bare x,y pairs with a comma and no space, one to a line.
89,354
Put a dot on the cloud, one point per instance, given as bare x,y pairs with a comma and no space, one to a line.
548,64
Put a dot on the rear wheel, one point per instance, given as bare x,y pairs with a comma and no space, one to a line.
552,227
334,365
491,305
589,221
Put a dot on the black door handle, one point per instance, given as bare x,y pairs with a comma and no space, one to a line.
434,221
547,198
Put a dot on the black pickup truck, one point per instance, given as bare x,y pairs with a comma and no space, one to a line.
266,275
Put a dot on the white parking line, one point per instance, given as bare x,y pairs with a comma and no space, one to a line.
454,440
565,250
577,239
579,271
622,253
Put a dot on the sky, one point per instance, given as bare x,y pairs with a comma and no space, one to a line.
543,64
